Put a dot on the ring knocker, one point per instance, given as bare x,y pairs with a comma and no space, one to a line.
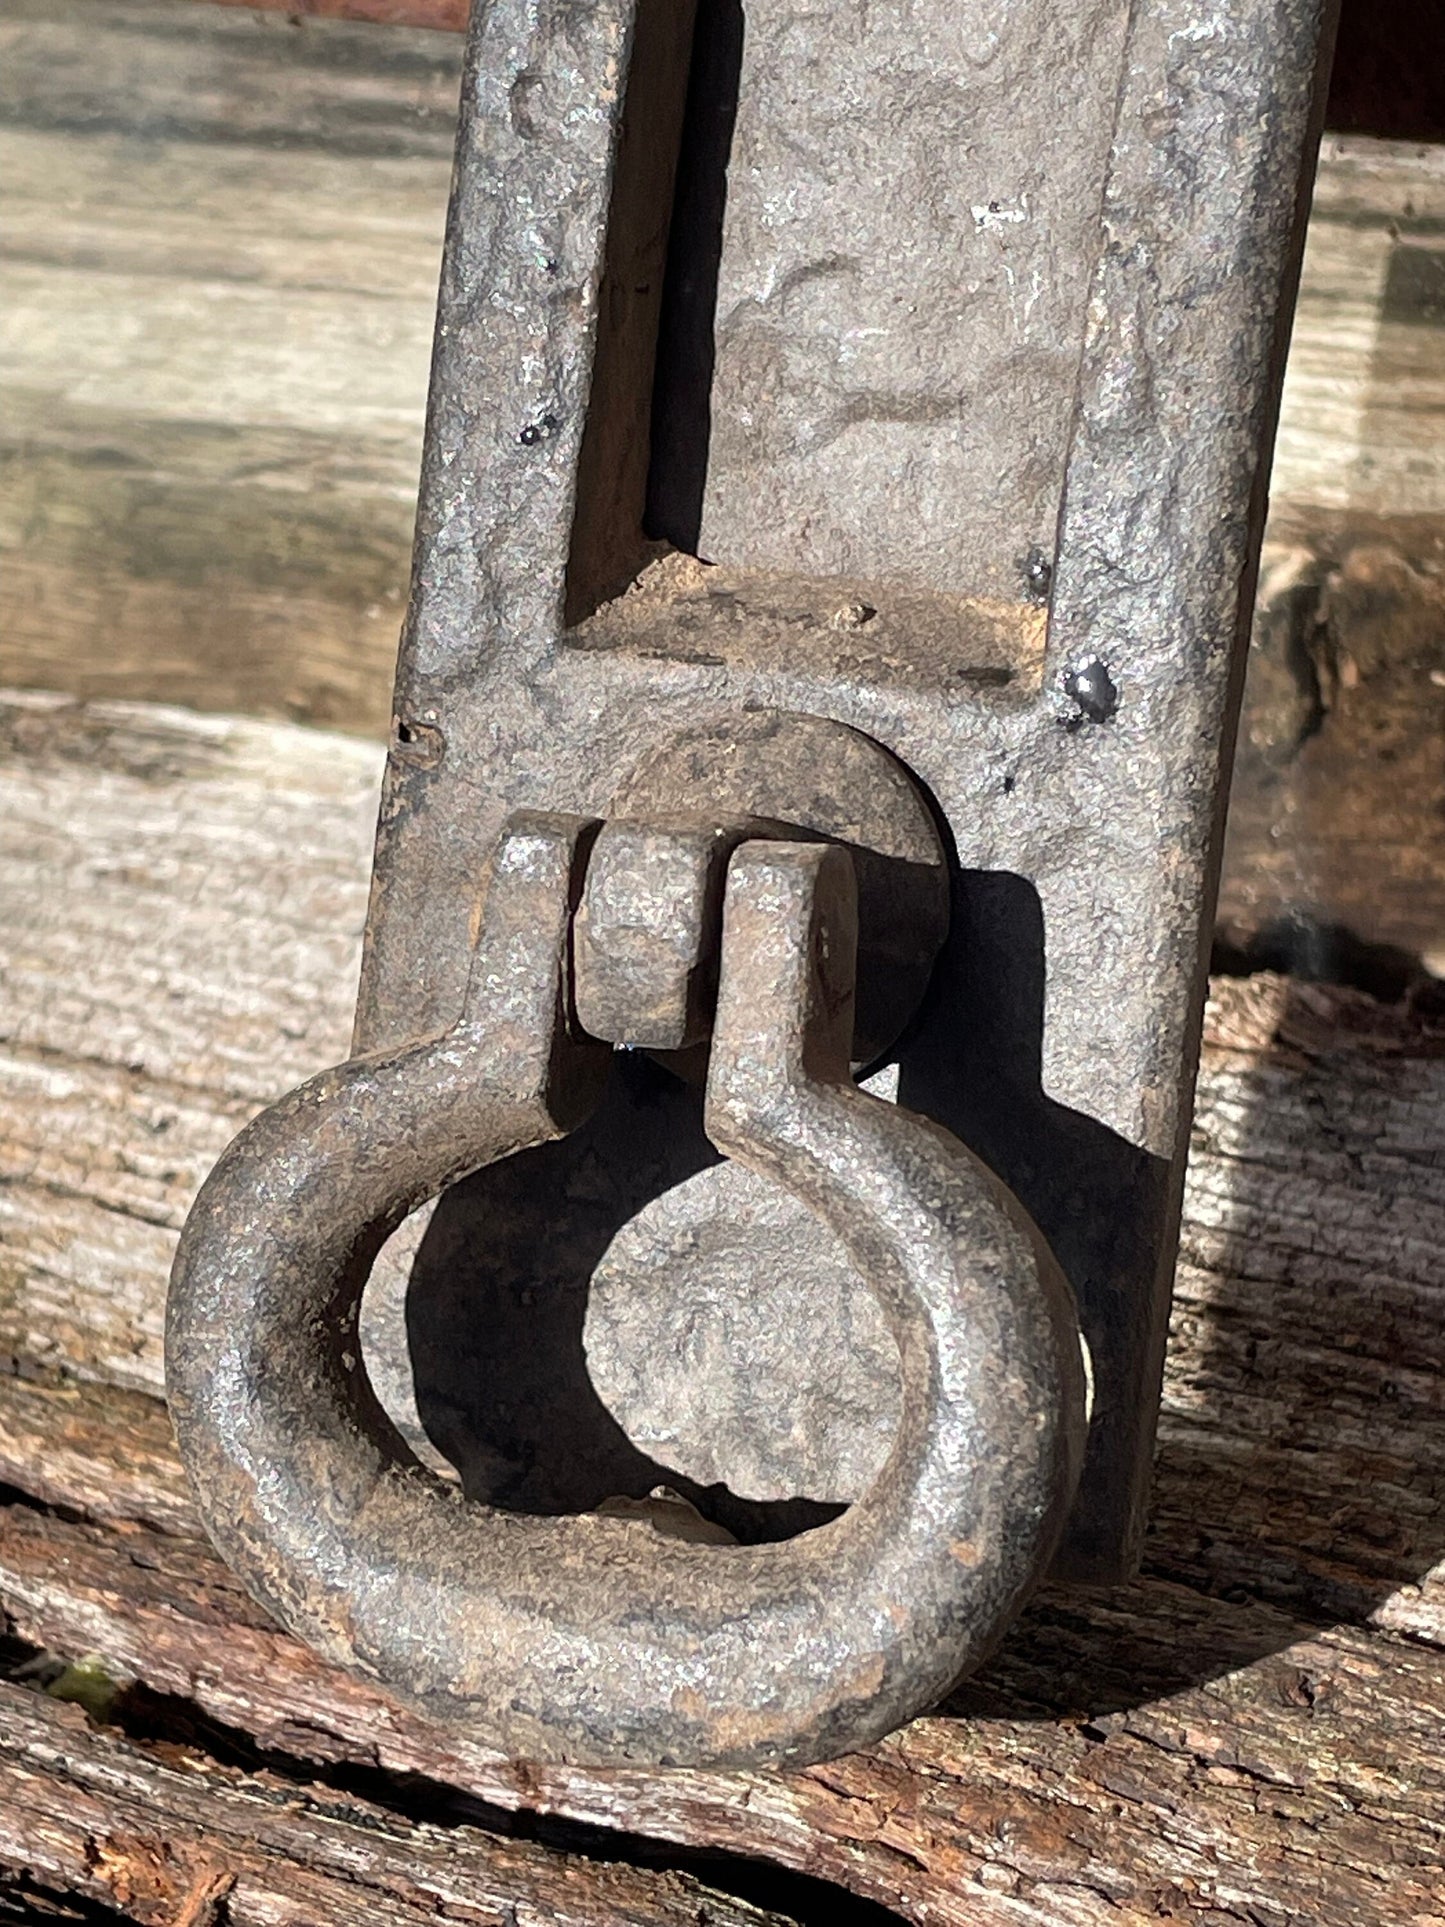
593,1638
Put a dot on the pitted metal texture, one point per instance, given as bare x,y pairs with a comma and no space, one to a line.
595,1638
883,519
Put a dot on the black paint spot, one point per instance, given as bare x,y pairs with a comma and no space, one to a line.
1093,689
1038,574
541,430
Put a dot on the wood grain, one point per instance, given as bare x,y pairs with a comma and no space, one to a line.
173,1837
167,968
448,16
1250,1732
221,251
1296,1775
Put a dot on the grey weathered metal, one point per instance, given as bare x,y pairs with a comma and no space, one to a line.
596,1637
953,461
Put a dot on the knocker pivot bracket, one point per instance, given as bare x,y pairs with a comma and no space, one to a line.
843,478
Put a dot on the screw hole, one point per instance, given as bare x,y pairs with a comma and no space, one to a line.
418,745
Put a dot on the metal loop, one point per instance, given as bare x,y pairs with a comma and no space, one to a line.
593,1638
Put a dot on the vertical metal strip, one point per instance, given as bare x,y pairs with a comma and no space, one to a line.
1163,512
542,98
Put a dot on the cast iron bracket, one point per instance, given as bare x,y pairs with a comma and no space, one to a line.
897,502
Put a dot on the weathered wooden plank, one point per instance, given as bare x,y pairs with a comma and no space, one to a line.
1151,1746
177,1839
447,16
93,1448
1272,1731
205,921
221,250
168,965
1364,390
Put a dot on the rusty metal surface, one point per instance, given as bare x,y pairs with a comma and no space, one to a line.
806,777
986,575
1059,1036
898,306
596,1637
645,975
